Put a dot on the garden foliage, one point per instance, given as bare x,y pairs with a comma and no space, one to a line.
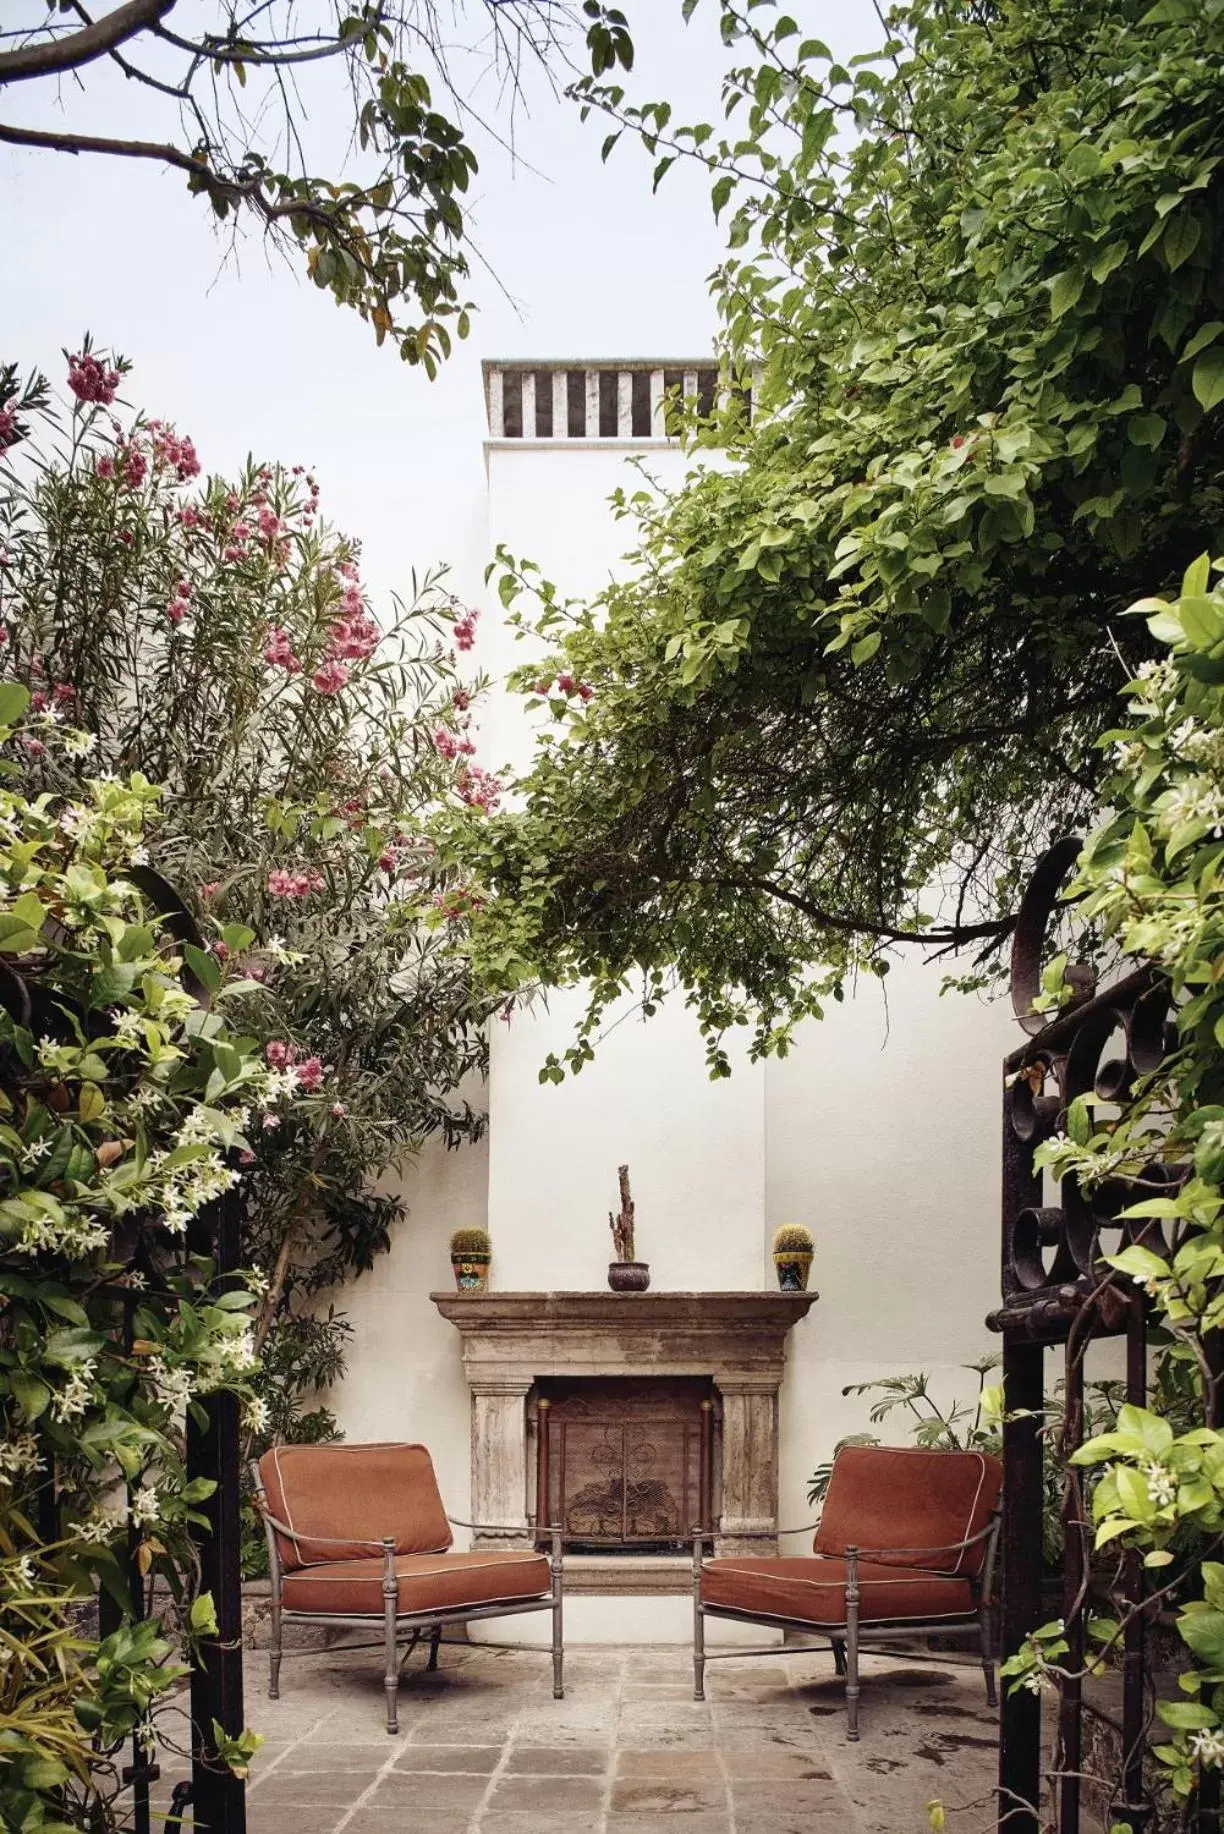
216,636
127,1107
1151,882
853,684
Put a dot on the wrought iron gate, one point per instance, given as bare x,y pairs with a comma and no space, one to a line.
1058,1295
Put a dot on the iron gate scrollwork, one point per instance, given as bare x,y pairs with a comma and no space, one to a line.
1057,1294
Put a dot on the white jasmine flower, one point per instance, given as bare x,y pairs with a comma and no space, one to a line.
1208,1747
1161,1483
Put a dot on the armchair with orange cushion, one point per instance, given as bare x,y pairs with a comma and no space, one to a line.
357,1536
905,1545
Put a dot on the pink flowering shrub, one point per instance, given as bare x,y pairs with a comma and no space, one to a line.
217,635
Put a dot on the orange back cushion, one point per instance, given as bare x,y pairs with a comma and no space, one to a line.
349,1496
906,1496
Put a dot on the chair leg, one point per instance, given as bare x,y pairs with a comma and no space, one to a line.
838,1645
390,1665
699,1655
992,1698
275,1647
435,1643
852,1643
558,1637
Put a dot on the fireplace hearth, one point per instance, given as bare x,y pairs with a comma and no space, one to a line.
612,1366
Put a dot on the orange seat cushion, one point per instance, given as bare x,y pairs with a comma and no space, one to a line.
427,1582
812,1589
883,1497
342,1500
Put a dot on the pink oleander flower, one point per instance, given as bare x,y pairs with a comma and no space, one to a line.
4,635
269,524
310,1074
64,692
279,1054
8,428
567,682
105,467
210,888
176,611
298,883
220,950
445,743
279,651
232,554
465,630
330,677
339,1111
135,468
461,700
387,861
479,788
90,380
126,537
38,701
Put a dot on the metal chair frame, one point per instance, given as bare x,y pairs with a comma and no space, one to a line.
413,1623
845,1645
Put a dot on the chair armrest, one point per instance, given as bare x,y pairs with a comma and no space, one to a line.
506,1528
283,1528
756,1534
950,1547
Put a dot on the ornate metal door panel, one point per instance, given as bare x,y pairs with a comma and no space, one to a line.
626,1463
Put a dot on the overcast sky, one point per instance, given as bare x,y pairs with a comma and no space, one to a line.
246,357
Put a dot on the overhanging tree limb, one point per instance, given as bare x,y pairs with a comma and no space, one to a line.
52,57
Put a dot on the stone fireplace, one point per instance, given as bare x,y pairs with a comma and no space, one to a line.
628,1416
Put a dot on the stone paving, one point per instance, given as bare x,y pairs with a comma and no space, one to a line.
484,1749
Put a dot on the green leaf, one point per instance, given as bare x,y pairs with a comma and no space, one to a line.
1065,292
1208,379
14,699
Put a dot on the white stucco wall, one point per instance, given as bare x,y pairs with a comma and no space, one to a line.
880,1132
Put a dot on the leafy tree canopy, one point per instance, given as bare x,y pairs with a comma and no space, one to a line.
384,231
853,681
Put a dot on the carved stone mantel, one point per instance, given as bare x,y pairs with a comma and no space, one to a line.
737,1339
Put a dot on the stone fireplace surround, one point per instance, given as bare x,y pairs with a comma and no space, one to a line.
735,1339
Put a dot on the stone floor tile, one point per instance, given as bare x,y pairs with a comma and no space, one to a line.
285,1785
759,1798
546,1795
661,1762
527,1821
657,1690
480,1760
770,1762
405,1790
558,1760
668,1795
648,1822
376,1821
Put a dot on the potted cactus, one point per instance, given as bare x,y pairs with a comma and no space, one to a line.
625,1274
471,1251
792,1253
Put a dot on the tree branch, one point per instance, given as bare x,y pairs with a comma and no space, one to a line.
53,56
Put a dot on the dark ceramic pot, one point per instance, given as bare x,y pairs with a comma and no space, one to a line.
471,1272
628,1276
793,1266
